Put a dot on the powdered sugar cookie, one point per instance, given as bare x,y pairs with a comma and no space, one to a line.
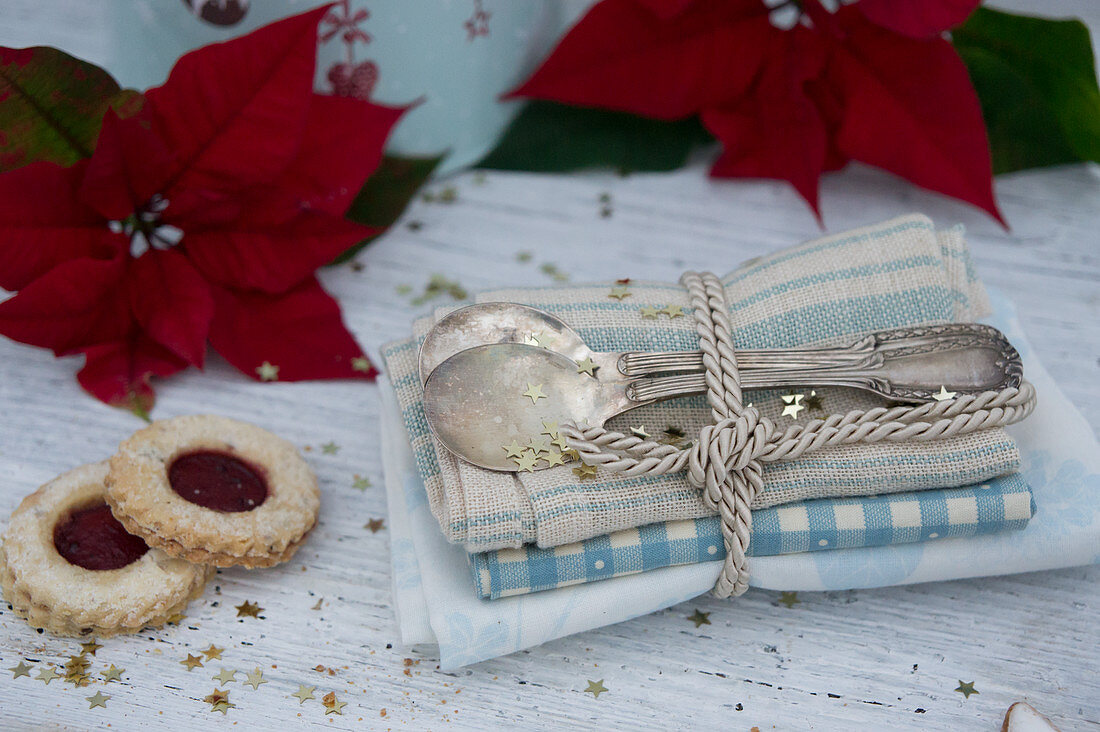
67,565
214,490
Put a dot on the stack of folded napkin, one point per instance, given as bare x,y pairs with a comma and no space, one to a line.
546,530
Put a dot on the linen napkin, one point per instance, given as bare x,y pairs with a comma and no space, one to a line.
829,291
436,602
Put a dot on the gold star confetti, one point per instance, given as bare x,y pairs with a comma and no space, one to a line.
793,407
560,443
524,256
813,401
555,458
639,432
539,444
330,448
549,428
317,605
47,675
571,455
225,676
331,704
375,525
674,311
255,678
98,699
534,392
21,670
942,396
192,662
699,618
532,339
90,647
76,670
649,312
112,674
267,371
360,483
966,688
672,435
790,599
514,450
213,652
587,366
595,688
585,471
219,701
526,461
304,693
248,609
619,292
360,364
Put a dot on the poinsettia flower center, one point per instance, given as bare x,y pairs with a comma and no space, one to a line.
146,230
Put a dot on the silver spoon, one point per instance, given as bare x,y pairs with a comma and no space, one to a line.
485,402
509,322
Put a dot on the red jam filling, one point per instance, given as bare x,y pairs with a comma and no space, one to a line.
217,481
92,538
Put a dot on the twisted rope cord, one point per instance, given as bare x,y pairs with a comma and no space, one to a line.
725,461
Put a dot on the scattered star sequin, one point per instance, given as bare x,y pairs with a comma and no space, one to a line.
793,405
47,675
375,525
672,436
99,699
790,599
555,458
534,392
584,472
943,395
648,312
514,450
330,448
90,647
674,311
813,401
219,701
549,428
213,652
539,444
360,483
966,688
639,432
360,364
699,618
620,292
192,662
267,371
532,339
225,676
587,366
332,705
595,688
76,670
112,674
20,670
527,461
248,609
255,678
560,443
304,693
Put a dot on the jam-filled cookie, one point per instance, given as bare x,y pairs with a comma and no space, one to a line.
214,491
67,565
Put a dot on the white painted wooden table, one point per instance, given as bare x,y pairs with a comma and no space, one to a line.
881,659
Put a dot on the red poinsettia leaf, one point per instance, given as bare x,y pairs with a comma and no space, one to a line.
75,305
42,223
272,260
918,18
129,165
119,373
777,132
234,112
172,303
666,9
299,335
622,56
909,108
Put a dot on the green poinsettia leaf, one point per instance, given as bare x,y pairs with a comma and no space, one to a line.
52,105
1036,79
551,137
386,193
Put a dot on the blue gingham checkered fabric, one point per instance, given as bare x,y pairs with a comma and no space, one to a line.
1000,504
